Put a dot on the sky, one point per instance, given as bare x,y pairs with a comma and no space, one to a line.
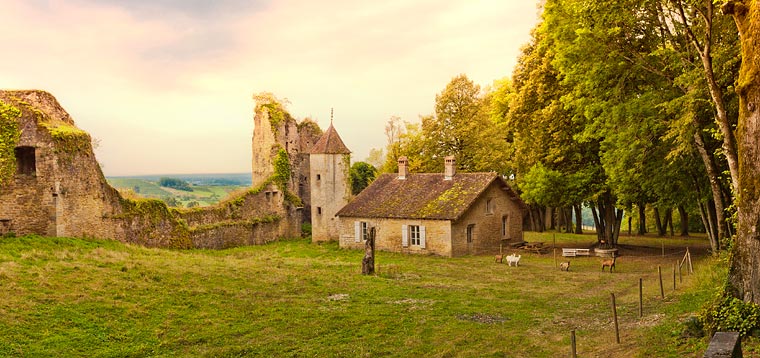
166,86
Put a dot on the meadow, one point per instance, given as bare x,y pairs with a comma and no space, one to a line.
95,298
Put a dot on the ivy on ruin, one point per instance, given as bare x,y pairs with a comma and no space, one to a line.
10,134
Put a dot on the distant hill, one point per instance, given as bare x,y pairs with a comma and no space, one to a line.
238,179
207,189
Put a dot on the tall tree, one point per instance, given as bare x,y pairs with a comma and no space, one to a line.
745,265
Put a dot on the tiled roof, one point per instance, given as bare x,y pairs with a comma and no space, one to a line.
330,143
423,196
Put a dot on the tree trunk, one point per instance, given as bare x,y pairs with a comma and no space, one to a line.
630,219
618,221
368,262
642,218
744,273
704,50
717,192
669,220
598,225
658,223
552,218
578,219
684,215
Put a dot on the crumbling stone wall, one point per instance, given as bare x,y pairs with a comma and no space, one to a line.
60,190
275,129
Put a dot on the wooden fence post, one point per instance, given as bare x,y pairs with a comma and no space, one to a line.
641,298
572,344
659,272
674,277
614,318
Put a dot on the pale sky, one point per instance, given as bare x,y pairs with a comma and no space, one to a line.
166,85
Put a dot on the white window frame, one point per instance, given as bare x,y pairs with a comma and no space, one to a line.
414,235
361,231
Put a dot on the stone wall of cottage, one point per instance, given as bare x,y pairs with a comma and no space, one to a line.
487,230
389,235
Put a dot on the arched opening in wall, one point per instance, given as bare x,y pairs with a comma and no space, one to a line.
26,162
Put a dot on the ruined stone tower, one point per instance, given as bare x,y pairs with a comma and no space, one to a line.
274,130
330,161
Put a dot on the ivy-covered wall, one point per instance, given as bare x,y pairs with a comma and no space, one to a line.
67,195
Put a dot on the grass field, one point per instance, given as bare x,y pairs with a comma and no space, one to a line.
82,297
203,194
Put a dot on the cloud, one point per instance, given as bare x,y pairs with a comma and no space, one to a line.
166,84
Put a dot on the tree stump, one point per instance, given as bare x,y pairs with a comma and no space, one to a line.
368,262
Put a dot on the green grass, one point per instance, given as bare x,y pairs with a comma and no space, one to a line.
147,188
86,297
205,195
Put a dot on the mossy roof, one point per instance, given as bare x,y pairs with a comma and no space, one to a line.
330,143
423,196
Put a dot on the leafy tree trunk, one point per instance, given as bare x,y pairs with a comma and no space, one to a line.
744,273
684,215
642,218
578,219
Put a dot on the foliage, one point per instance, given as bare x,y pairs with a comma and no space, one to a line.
69,140
174,183
362,174
9,137
281,164
730,314
274,106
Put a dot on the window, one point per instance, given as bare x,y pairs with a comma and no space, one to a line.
504,225
319,210
489,206
26,163
319,177
470,233
361,231
414,234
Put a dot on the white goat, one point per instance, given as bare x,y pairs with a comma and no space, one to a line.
513,259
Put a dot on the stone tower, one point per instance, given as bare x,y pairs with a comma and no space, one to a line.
329,163
275,129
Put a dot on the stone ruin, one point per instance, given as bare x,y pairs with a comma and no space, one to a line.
52,185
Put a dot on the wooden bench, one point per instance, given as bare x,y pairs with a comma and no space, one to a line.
575,252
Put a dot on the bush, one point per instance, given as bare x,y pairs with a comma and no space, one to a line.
727,313
305,230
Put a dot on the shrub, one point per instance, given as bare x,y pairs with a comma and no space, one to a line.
728,313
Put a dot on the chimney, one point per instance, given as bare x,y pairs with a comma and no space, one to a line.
402,169
450,167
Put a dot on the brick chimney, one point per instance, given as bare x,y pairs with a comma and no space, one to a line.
403,171
449,167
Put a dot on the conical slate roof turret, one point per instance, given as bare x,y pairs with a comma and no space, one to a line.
330,143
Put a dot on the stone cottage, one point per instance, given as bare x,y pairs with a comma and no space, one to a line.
447,214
